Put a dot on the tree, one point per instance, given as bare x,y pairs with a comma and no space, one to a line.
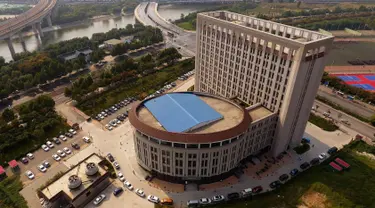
372,120
182,16
298,4
8,115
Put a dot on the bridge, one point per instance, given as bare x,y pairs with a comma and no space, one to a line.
198,1
32,17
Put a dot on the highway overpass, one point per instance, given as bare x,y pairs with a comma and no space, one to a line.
32,17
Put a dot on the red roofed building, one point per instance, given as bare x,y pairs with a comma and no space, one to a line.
14,165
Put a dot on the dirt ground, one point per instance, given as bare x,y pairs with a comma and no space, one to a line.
314,200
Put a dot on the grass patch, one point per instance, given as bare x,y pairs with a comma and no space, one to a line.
322,123
351,188
186,26
140,88
9,193
304,147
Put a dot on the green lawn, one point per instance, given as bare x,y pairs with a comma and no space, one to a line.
351,188
140,88
186,26
322,123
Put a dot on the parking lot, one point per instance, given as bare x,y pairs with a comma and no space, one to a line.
41,155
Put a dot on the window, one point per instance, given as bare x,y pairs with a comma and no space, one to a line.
216,144
204,146
179,145
192,146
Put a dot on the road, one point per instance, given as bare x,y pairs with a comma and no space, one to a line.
356,108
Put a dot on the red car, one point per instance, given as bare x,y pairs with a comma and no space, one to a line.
257,189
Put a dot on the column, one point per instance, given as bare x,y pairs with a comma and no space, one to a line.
10,46
49,20
35,30
22,41
39,27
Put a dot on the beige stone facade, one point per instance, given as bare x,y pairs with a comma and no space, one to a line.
260,61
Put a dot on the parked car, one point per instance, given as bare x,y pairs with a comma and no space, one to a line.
294,172
68,134
30,156
62,137
315,161
120,176
46,164
110,157
50,144
167,201
153,199
72,131
67,150
24,160
86,139
140,192
332,150
45,148
257,189
30,174
204,201
41,168
99,199
233,196
218,198
304,165
56,157
118,191
56,140
75,145
322,156
117,166
192,203
284,177
128,185
275,184
246,192
61,153
109,127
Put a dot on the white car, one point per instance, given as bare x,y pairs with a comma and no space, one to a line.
72,131
99,199
128,185
218,198
153,199
121,177
109,127
118,121
62,137
61,153
204,201
30,156
30,174
114,124
322,156
67,150
140,192
56,157
117,166
42,169
45,148
86,139
50,144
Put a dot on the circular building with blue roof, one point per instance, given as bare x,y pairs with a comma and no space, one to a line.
190,135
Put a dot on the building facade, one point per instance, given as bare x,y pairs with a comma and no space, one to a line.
260,61
210,153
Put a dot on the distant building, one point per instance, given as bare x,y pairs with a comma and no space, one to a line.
127,39
78,186
86,52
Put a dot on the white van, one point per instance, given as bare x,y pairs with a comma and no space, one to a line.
246,192
193,203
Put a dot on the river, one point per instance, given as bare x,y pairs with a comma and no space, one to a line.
167,11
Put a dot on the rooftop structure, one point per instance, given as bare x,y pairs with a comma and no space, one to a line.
182,112
74,185
259,112
221,114
73,55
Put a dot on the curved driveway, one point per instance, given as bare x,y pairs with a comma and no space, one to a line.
35,14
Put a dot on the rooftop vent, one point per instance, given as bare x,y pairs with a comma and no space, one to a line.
74,182
91,169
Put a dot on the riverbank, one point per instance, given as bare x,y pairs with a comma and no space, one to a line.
71,25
